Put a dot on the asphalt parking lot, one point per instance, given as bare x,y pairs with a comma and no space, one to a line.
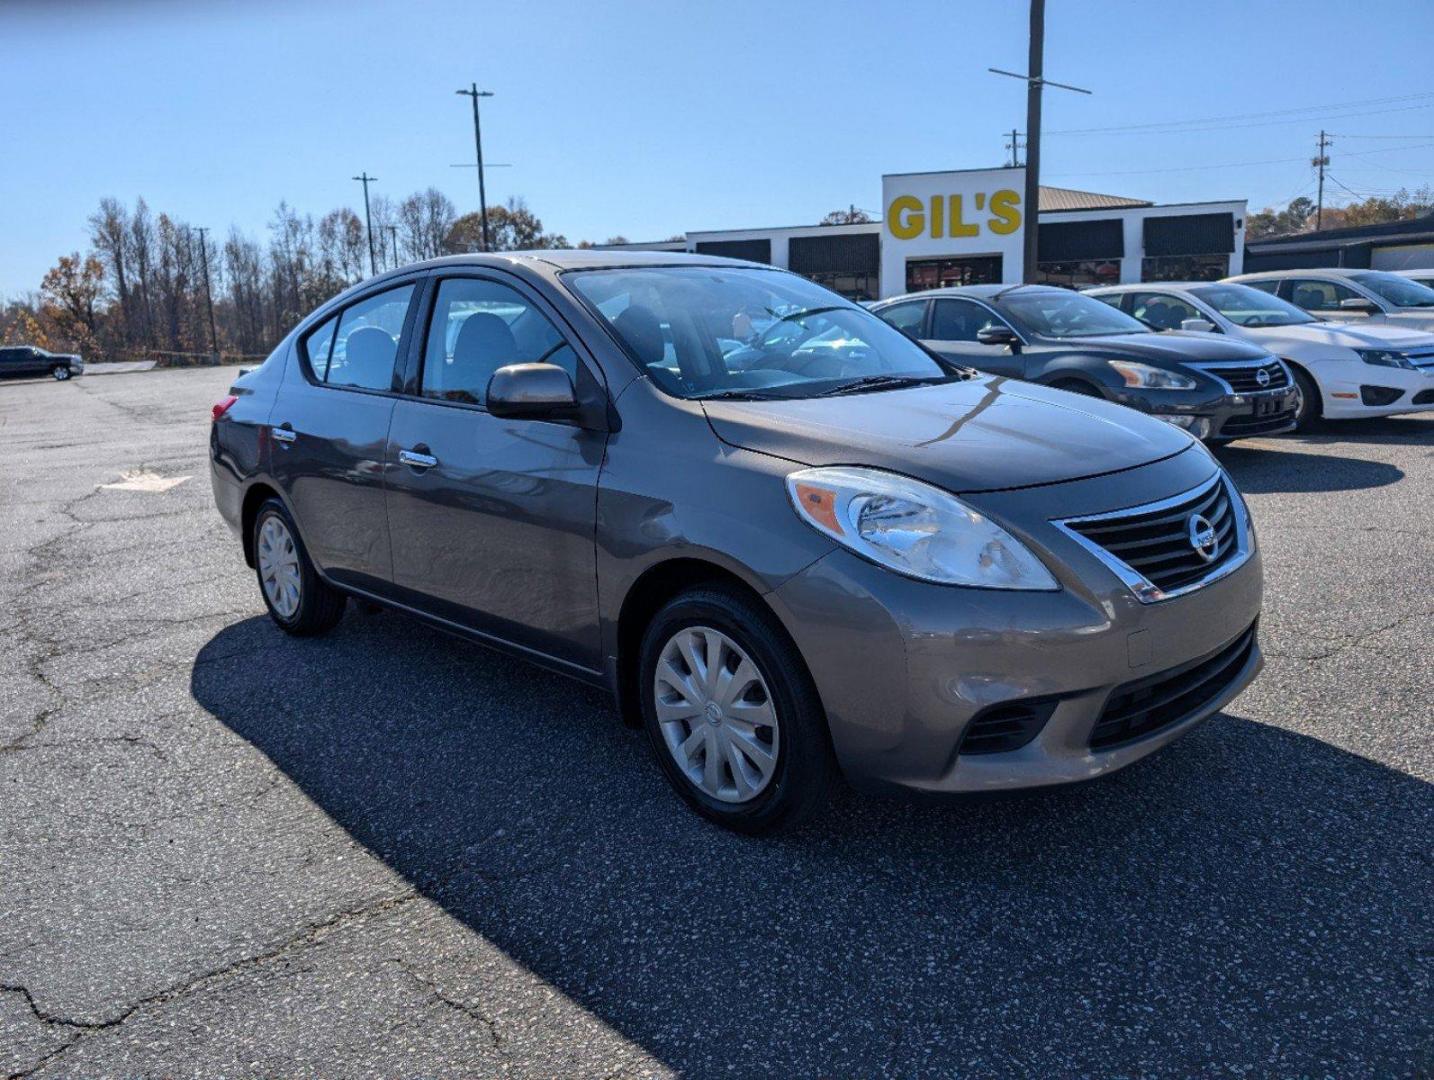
389,853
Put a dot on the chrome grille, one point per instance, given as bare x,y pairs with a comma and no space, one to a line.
1245,379
1152,549
1424,361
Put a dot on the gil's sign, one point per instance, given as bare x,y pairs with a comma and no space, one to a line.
952,228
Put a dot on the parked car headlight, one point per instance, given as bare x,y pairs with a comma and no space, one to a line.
1145,377
1384,358
914,529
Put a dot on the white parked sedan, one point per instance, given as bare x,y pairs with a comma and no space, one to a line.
1345,295
1343,370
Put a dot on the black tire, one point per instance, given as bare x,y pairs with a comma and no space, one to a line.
1307,417
1075,386
806,770
61,372
320,605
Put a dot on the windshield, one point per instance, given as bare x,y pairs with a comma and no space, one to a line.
1399,291
713,331
1245,306
1064,314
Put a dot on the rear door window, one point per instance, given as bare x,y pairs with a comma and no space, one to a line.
907,317
317,347
366,342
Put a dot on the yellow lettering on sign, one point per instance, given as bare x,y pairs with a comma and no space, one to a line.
959,226
910,226
938,214
1006,213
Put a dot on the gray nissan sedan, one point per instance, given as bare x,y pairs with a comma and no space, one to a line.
794,543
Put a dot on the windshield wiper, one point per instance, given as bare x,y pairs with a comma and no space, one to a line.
812,311
877,382
738,395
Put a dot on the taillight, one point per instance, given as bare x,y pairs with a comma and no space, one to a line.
222,406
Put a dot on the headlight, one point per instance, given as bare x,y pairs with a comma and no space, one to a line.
1145,377
914,529
1384,358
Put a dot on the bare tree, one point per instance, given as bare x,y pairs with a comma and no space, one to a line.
425,220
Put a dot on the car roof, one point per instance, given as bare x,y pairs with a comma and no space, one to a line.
585,259
1314,272
974,292
1152,286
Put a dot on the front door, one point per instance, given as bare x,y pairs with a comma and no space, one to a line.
493,520
954,326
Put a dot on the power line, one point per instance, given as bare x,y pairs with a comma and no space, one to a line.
1241,164
1300,114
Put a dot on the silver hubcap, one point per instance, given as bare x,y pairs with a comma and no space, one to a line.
716,714
279,566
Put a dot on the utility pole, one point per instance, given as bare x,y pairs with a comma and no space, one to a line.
1015,146
1035,82
208,295
393,240
366,180
1321,162
475,94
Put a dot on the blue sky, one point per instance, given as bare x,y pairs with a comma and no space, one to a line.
650,118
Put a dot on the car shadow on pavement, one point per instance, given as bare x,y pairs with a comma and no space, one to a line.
1249,895
1279,467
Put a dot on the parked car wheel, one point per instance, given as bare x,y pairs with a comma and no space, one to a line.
1307,412
732,714
301,602
61,372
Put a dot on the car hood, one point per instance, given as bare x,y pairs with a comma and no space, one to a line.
1170,347
1344,335
1412,318
983,434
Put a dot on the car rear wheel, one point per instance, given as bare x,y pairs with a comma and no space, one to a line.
1308,409
299,601
61,372
732,715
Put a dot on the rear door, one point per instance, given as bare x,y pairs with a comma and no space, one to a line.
493,520
955,322
329,430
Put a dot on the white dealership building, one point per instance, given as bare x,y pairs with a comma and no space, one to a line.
967,227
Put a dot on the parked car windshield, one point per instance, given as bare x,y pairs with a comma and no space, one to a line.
1245,306
702,332
1063,314
1400,291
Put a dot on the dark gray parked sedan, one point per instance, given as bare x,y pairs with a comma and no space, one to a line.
791,541
20,360
1216,389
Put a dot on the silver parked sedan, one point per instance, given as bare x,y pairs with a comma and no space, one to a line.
792,542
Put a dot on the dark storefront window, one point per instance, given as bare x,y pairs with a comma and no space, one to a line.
850,265
1185,268
1188,247
1079,274
943,273
751,250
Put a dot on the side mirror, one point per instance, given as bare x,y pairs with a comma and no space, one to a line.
1205,326
1359,304
998,335
532,392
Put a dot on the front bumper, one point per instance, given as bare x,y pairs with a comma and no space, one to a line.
1228,415
904,667
1345,389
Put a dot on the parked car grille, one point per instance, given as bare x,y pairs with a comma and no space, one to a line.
1424,361
1143,707
1009,726
1156,543
1246,380
1241,426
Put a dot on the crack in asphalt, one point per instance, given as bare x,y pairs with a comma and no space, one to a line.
1355,642
437,993
309,934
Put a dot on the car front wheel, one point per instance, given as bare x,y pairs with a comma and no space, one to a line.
300,601
733,717
1307,409
61,372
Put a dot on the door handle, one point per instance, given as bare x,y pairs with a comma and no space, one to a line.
284,434
417,459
